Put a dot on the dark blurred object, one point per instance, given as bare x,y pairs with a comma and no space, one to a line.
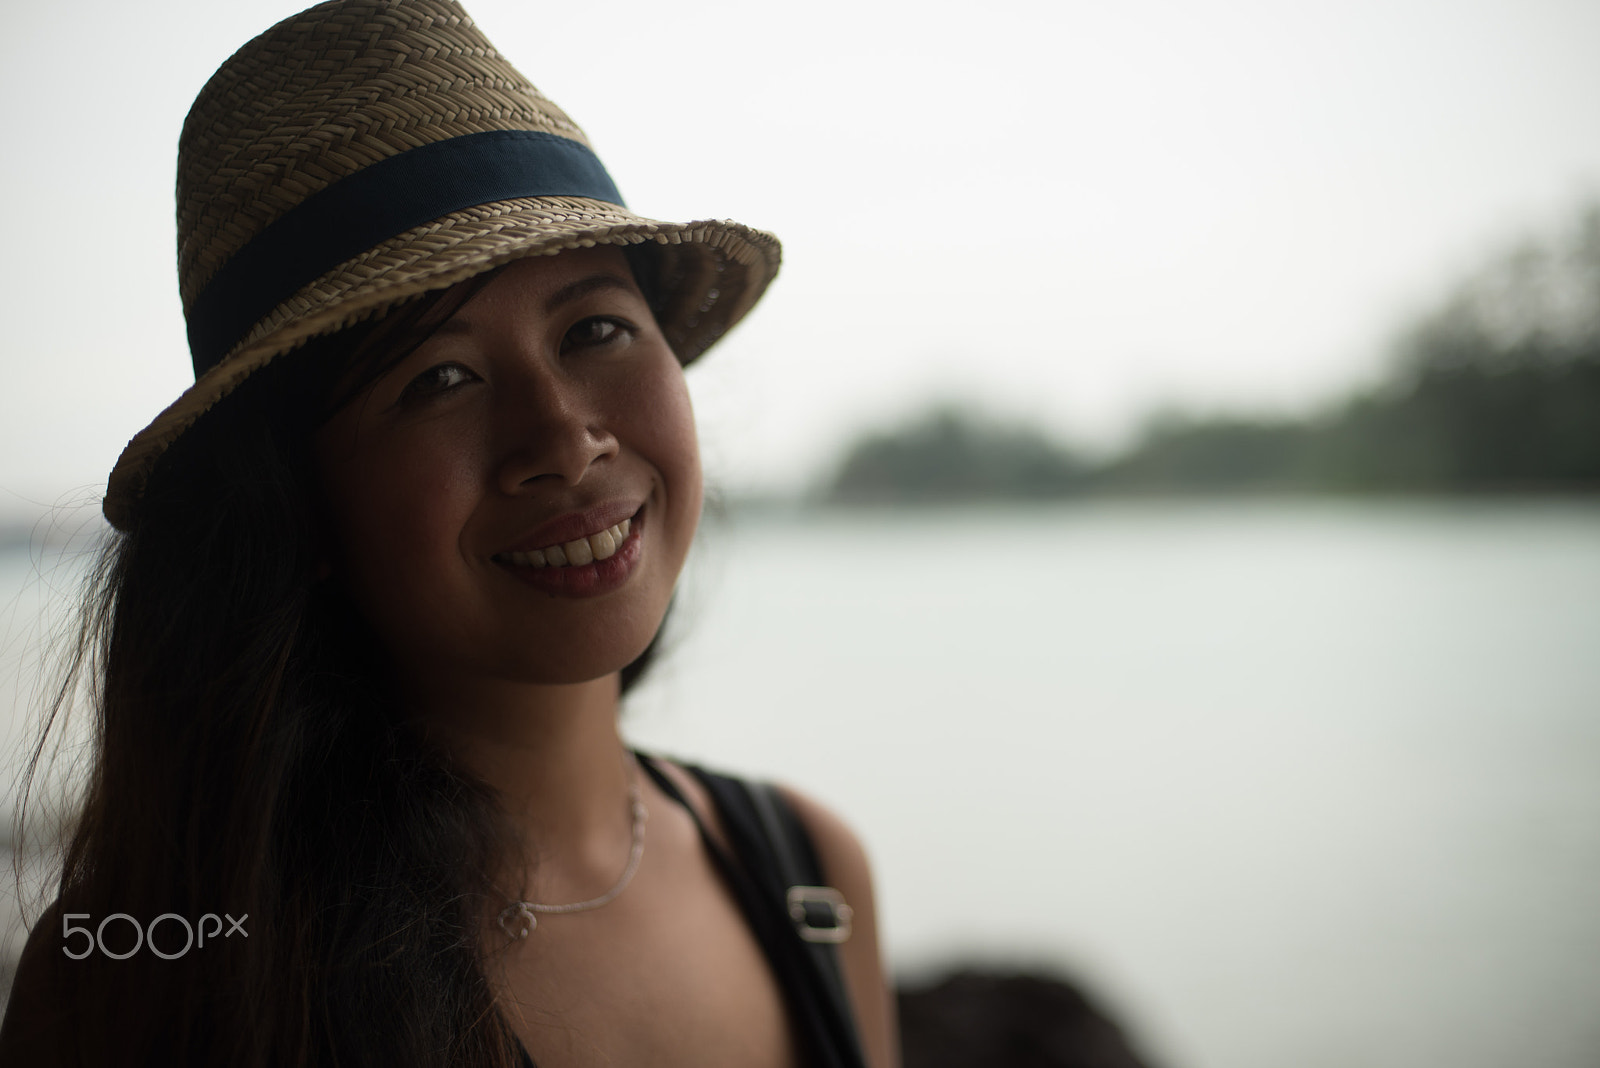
981,1020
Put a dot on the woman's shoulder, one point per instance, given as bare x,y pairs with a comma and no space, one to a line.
838,848
845,867
35,1018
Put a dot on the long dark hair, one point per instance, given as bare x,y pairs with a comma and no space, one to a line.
249,759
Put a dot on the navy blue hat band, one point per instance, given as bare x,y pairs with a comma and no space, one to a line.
375,204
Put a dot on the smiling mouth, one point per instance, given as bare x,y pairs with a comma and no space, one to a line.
601,545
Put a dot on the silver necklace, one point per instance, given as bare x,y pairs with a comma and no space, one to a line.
519,918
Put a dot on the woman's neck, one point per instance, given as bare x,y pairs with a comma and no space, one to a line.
555,757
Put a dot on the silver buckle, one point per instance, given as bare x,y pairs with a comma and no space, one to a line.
804,904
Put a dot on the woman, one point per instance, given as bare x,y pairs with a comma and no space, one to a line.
358,793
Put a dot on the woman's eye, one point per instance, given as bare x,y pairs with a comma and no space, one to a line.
436,380
595,331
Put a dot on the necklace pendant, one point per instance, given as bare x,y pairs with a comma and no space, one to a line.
517,920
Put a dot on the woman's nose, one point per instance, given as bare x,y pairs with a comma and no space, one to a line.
548,426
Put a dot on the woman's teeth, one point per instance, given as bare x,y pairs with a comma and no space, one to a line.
582,551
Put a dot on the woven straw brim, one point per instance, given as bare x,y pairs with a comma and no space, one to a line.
712,273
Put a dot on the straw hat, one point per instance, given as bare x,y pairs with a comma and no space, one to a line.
367,151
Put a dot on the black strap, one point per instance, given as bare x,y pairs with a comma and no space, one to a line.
774,853
798,865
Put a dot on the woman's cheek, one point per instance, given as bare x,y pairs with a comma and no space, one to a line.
396,509
677,443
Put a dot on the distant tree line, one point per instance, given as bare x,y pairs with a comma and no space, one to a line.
1496,390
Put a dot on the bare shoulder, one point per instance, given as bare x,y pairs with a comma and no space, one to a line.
34,1028
846,868
843,858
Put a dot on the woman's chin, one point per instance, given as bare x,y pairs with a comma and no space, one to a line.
577,661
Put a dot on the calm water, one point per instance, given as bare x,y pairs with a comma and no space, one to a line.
1285,784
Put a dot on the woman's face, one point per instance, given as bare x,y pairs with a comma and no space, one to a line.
514,500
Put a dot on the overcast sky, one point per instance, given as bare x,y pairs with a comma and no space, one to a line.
1071,211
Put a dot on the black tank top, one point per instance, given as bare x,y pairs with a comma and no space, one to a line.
770,851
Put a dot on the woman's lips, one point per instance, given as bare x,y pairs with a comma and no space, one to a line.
584,566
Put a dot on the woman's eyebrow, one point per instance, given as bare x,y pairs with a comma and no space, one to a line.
582,287
461,323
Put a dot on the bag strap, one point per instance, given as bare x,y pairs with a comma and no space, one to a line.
820,914
772,857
